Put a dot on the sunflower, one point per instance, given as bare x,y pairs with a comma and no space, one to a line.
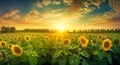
100,37
67,41
93,41
58,40
73,39
103,38
90,36
106,44
16,50
9,46
19,38
27,38
0,39
116,41
15,38
33,35
2,44
46,38
83,41
1,54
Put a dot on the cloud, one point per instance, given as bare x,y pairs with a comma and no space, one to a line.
115,5
39,4
32,15
11,13
46,2
68,2
97,2
107,20
55,2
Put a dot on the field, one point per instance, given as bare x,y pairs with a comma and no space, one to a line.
60,49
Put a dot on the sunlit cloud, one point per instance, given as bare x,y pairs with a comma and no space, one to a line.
46,2
39,4
56,2
48,13
68,2
115,4
11,13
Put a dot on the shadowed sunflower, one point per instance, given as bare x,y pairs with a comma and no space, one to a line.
73,39
58,40
46,38
106,44
33,35
19,38
100,37
90,36
15,38
27,38
93,41
83,41
16,50
67,41
0,39
1,54
9,46
116,41
2,44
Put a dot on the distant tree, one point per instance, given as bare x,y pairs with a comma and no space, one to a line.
12,29
5,29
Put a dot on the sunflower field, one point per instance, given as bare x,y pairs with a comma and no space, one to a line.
60,49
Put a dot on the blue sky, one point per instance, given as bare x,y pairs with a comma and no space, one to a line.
75,14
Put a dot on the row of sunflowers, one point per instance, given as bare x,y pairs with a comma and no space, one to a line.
60,49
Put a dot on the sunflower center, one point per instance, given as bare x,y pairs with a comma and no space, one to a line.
116,41
19,38
3,44
27,38
17,49
15,38
106,44
0,39
83,41
66,42
94,41
58,40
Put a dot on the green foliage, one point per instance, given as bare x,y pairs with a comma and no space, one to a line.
38,51
74,60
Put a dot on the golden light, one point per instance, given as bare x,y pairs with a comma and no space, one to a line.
61,27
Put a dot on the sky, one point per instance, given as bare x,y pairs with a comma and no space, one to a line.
52,14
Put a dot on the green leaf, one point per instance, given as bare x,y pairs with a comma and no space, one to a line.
84,62
74,60
23,58
57,53
102,63
101,55
32,60
84,53
62,61
109,58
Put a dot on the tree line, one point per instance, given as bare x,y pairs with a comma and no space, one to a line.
5,29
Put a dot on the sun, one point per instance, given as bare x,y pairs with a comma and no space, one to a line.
61,27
